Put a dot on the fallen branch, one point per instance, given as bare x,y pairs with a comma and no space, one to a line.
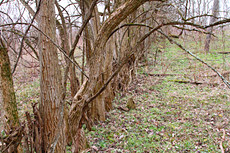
221,142
163,75
13,139
223,52
123,109
194,82
214,75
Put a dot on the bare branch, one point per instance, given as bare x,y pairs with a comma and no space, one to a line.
198,16
124,61
19,33
182,28
218,23
27,30
31,11
88,16
55,44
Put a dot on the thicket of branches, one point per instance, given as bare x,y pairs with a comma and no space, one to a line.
107,37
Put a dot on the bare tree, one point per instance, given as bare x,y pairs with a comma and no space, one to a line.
212,20
112,38
52,98
96,65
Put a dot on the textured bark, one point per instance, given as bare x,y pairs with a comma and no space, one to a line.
65,44
51,103
128,39
108,69
74,81
8,97
210,30
96,65
90,39
75,118
96,69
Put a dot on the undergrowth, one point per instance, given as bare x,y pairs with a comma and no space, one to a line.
170,116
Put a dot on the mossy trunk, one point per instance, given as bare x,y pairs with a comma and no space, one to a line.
8,96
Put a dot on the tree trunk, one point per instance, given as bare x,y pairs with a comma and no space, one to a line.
212,20
51,103
127,40
108,69
65,44
8,98
74,82
96,69
97,63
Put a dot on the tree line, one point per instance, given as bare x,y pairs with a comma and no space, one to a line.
112,36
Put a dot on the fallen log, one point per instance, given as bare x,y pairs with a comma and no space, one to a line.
194,82
214,75
223,52
163,75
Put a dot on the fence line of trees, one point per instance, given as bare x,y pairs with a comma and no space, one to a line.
111,36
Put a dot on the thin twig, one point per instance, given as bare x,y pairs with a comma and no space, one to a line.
88,16
24,36
55,44
221,142
182,28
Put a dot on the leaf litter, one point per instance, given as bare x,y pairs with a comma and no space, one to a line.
170,117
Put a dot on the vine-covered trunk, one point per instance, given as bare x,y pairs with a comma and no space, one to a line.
96,71
127,39
97,62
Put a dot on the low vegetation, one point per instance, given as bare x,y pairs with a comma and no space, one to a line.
171,116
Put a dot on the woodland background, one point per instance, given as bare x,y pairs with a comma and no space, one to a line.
114,76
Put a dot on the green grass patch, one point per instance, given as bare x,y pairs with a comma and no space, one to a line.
171,116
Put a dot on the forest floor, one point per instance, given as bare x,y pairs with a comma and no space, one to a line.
186,111
182,106
170,117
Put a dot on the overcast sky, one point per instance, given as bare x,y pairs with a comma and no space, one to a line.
15,9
